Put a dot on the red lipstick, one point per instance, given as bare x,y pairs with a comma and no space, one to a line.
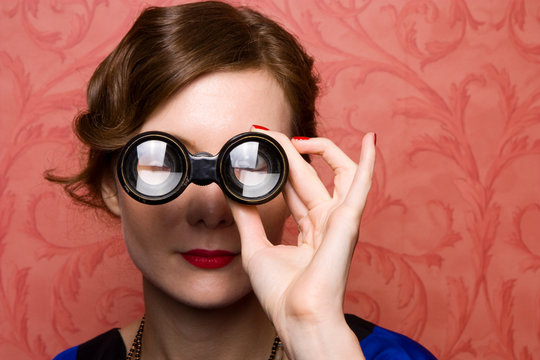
208,259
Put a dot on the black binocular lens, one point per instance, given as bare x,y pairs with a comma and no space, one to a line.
154,168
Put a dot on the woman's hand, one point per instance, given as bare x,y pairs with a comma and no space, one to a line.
302,287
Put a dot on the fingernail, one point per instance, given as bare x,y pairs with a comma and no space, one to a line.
260,127
300,138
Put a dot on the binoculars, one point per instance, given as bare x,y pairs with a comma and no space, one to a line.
155,167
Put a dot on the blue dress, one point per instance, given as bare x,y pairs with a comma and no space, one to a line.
377,344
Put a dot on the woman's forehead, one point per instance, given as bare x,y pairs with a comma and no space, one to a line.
220,105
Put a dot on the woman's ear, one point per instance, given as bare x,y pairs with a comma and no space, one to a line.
109,193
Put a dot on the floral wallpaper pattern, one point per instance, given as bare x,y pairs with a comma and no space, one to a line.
449,251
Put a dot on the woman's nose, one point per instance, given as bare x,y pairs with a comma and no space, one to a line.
207,206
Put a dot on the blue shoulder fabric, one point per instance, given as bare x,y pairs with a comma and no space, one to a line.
383,344
69,354
107,346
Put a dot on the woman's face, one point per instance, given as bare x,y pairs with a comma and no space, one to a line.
204,116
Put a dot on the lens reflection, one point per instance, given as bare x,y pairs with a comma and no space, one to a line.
151,167
252,169
251,177
157,168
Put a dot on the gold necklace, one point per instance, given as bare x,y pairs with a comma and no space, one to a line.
136,347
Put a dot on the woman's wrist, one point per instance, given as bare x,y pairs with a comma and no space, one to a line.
331,339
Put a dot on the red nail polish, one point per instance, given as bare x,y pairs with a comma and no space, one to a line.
374,139
300,138
259,127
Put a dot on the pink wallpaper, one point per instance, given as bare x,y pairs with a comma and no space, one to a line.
449,252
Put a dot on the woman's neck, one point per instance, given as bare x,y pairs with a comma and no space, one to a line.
176,331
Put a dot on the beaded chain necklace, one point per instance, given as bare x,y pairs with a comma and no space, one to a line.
136,347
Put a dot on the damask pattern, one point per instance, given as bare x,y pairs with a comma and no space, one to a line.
449,250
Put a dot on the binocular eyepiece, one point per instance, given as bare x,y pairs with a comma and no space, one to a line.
154,168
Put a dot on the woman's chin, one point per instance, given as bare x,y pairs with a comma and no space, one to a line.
202,292
217,302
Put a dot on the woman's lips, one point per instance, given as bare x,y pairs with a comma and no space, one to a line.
208,259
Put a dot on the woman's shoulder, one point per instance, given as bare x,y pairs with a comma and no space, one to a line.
107,346
381,344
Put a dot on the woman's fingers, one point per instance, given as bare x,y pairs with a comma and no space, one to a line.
305,191
361,185
296,205
328,150
342,166
252,234
342,227
302,176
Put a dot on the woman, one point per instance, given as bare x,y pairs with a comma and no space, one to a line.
217,284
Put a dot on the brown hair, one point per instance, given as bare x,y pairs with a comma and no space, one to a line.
167,49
